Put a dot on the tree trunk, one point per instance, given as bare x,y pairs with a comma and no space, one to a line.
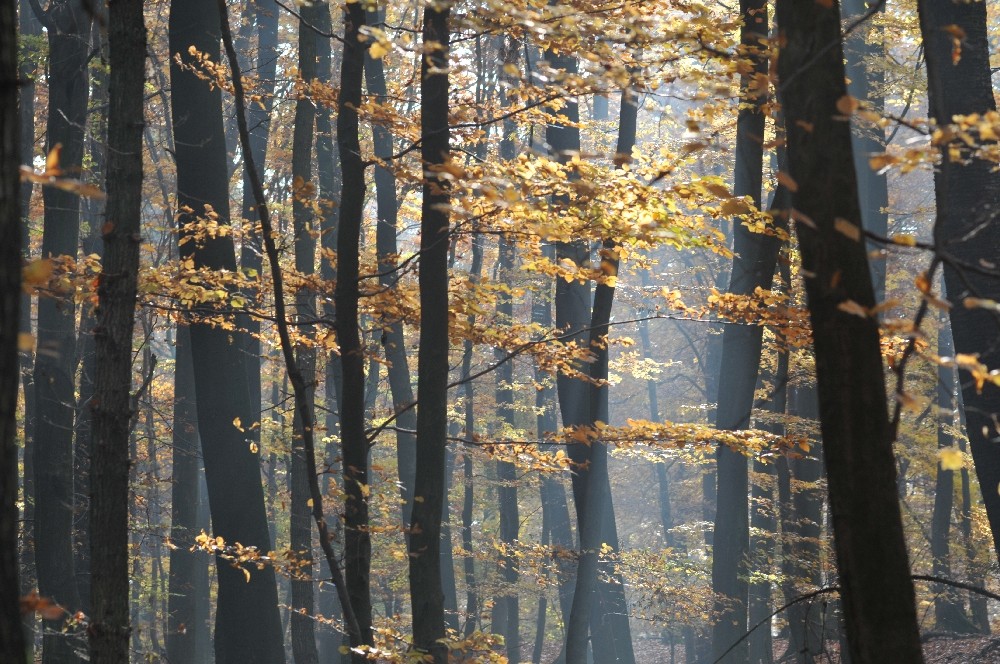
68,26
248,627
12,642
965,190
303,604
857,442
949,614
432,371
753,267
112,405
184,499
357,542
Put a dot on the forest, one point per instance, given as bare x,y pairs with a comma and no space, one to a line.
550,331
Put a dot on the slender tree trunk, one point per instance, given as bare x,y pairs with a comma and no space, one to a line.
966,190
432,370
28,26
753,268
68,27
248,627
303,625
12,642
949,614
857,441
112,406
357,543
393,340
594,506
181,621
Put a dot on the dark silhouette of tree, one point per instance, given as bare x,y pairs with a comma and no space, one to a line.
112,404
966,229
68,24
248,627
12,641
427,597
857,441
753,267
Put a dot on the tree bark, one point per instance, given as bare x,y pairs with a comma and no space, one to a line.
426,595
857,441
12,641
112,405
248,627
966,229
68,25
753,267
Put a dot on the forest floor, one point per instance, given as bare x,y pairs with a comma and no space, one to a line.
937,650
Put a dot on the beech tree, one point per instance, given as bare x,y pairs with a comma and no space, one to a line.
872,561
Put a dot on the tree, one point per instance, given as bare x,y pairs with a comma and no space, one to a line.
12,642
753,268
68,25
112,406
248,627
857,442
426,595
959,83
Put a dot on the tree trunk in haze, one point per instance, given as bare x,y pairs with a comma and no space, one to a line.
13,647
866,81
182,625
303,603
354,443
857,441
112,404
432,371
248,627
393,339
966,229
949,613
753,268
609,624
68,25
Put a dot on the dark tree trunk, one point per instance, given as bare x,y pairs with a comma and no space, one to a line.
432,387
29,26
753,267
184,499
112,404
357,542
68,26
857,441
248,627
303,624
949,614
13,647
966,191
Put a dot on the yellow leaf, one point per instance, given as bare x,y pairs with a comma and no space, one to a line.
853,308
309,503
246,574
378,50
787,181
904,240
25,342
37,272
951,458
52,160
847,228
847,104
253,448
